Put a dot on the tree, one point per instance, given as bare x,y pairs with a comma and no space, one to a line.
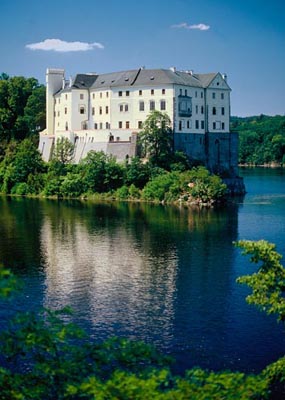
63,151
156,138
20,162
101,173
22,107
268,294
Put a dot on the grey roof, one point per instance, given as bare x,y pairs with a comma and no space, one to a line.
140,77
146,77
84,81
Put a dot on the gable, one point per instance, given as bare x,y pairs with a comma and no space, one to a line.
219,82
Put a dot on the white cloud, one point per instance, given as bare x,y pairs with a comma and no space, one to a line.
62,46
184,25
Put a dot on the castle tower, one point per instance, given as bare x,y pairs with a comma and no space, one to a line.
54,82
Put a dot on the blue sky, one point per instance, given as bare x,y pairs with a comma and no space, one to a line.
245,39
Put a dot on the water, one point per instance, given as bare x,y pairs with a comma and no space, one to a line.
161,274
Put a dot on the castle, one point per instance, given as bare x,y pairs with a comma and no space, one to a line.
106,112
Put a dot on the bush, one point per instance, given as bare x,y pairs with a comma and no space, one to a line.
162,187
21,189
72,185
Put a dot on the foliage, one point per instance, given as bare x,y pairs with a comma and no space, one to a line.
203,186
197,185
100,172
19,163
63,151
22,107
156,138
163,187
268,284
268,290
137,173
261,139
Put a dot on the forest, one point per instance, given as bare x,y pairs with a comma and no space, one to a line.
261,139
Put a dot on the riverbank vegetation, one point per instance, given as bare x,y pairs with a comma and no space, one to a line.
23,172
46,356
261,139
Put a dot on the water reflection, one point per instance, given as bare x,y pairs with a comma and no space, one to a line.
141,271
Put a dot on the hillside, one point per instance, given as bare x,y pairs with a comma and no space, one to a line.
261,139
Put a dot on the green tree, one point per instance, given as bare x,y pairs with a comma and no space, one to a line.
22,107
63,151
268,295
20,162
101,173
156,138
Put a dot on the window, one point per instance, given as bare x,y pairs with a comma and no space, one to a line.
223,110
141,106
180,92
107,94
162,105
162,91
152,92
95,126
140,92
66,126
223,125
196,108
100,95
213,95
107,110
180,125
202,125
81,96
152,105
202,95
214,125
100,110
84,125
101,125
66,97
93,110
93,96
189,124
127,124
117,138
140,124
120,124
222,96
121,107
65,110
202,109
185,92
58,113
107,125
126,107
120,93
214,111
127,93
196,124
196,93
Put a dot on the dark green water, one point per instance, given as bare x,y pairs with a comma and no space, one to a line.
160,274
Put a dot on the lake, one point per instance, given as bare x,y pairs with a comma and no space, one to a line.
161,274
